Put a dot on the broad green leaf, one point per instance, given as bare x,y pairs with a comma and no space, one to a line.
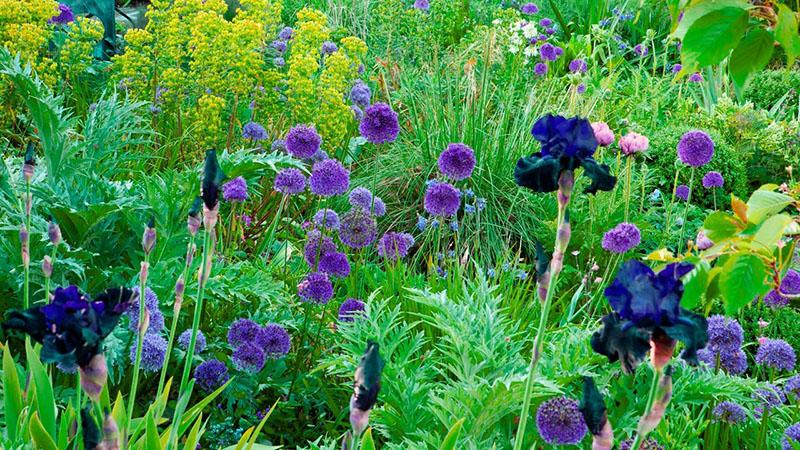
770,231
700,9
786,34
12,394
39,434
449,442
764,203
720,226
712,37
695,285
366,441
743,278
751,55
152,441
45,400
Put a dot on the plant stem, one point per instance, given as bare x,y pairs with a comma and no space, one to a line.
198,307
47,279
627,186
139,339
686,211
639,439
27,245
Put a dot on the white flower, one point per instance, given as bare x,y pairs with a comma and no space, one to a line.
530,51
529,31
513,49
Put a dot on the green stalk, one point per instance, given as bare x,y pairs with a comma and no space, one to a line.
274,225
627,186
686,211
27,244
139,342
47,279
198,308
637,441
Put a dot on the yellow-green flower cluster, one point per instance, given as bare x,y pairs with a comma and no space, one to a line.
76,55
207,121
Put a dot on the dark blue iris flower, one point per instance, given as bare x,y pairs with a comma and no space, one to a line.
647,304
212,178
566,144
71,328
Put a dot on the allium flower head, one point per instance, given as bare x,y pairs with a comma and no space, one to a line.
279,45
335,264
275,341
442,199
249,358
235,190
791,437
329,178
790,284
578,66
350,309
776,354
394,246
361,197
548,51
682,192
422,5
290,182
729,412
724,334
560,421
328,48
64,16
303,141
155,322
285,33
316,288
278,61
540,69
713,180
695,78
769,397
633,143
677,68
242,331
254,131
379,124
603,134
545,22
774,299
792,388
360,94
357,229
622,238
695,148
154,348
211,374
457,161
316,247
566,144
199,344
732,361
278,145
529,8
326,218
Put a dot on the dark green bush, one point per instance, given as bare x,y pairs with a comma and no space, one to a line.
769,87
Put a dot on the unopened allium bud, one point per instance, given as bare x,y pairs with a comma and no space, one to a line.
94,376
149,237
47,266
29,166
54,232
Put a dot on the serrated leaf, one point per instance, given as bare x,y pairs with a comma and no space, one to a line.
770,232
711,38
720,226
751,55
695,285
786,34
739,208
764,203
743,278
699,9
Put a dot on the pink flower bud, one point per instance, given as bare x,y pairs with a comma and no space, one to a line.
144,271
54,233
650,421
110,434
27,171
94,376
24,241
47,266
210,217
193,224
149,239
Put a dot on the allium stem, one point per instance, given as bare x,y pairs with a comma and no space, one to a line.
198,307
26,288
686,211
565,182
142,327
628,174
274,225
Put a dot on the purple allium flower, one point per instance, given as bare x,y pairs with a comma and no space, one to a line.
695,148
186,337
358,113
724,334
791,437
379,124
362,197
154,348
254,131
633,143
350,309
540,69
695,78
285,33
774,299
242,331
394,246
641,50
290,182
302,141
457,161
603,134
551,30
791,282
682,192
235,190
529,8
335,264
560,421
314,249
279,45
548,51
357,229
155,322
713,180
326,218
329,178
769,397
558,50
776,354
321,155
544,23
423,5
622,238
316,288
379,207
792,388
211,374
729,412
732,361
360,94
278,145
249,358
278,61
677,68
581,88
577,66
648,444
328,47
442,199
275,341
64,16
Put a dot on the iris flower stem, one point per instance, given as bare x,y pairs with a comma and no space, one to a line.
657,373
26,245
174,326
78,401
686,210
139,338
565,184
198,308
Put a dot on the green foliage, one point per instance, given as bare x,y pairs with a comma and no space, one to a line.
776,91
